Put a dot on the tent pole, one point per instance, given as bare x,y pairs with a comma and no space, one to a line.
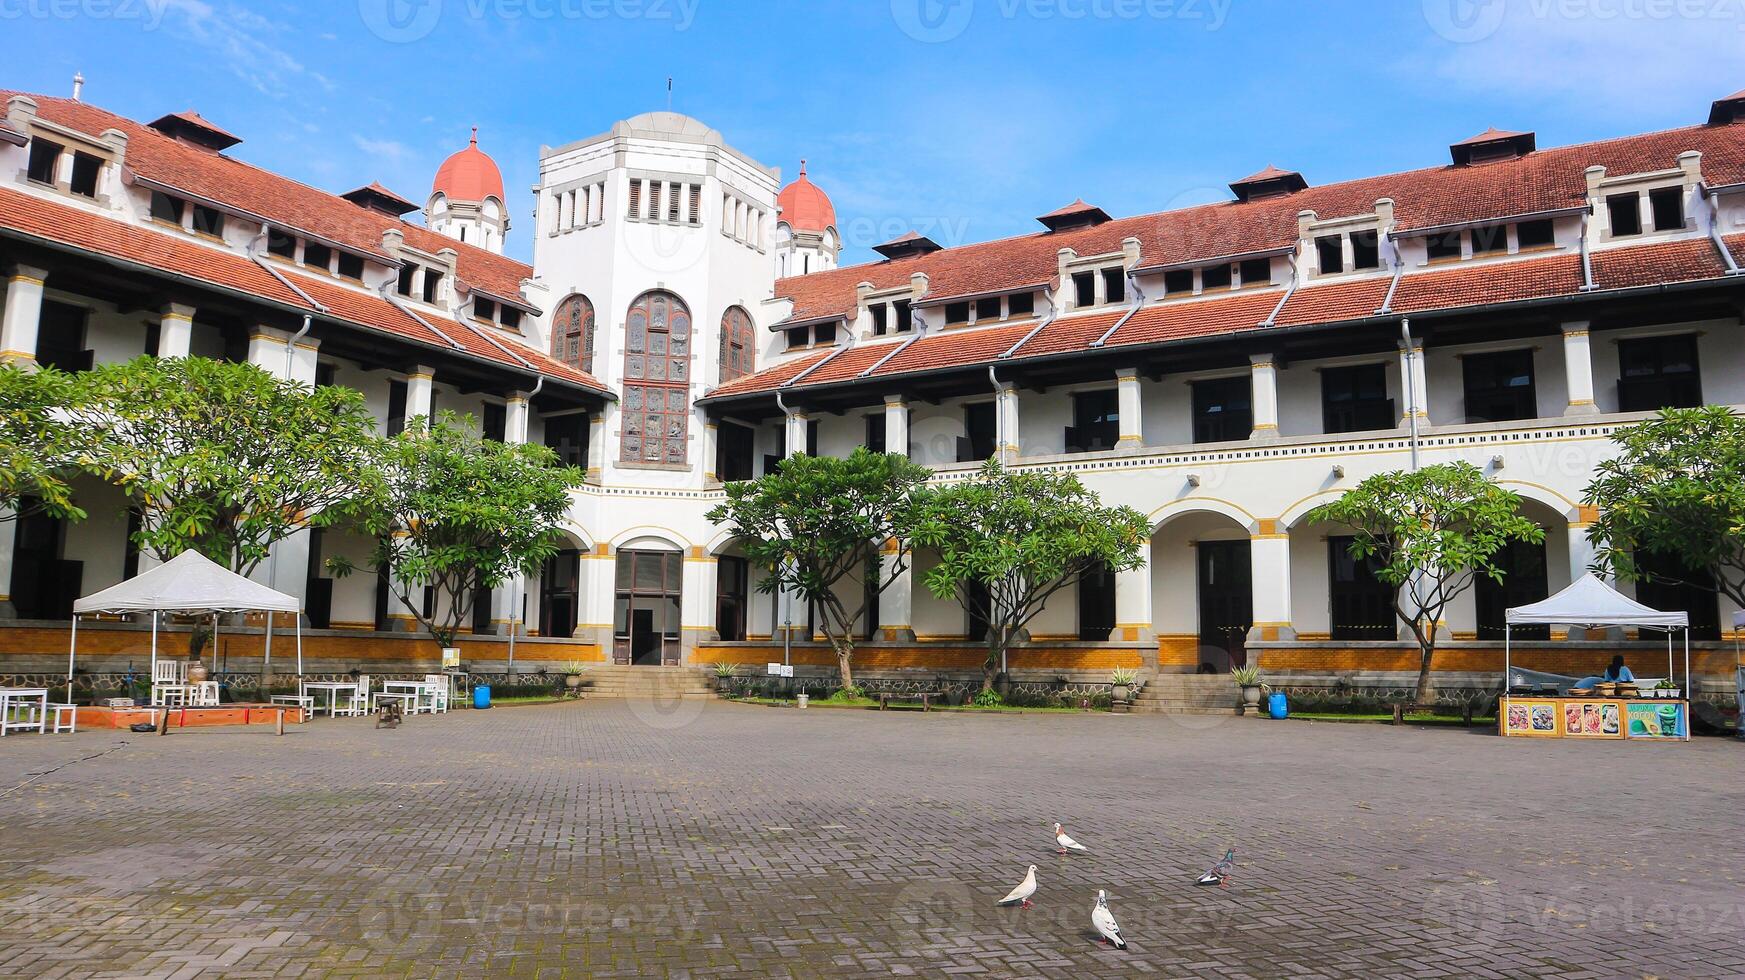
1689,695
154,650
299,622
267,657
72,647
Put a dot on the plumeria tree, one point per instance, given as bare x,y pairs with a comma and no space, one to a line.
456,512
1677,487
822,526
41,450
1428,534
1009,540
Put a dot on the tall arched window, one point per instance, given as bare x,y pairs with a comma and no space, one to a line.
572,332
657,379
738,344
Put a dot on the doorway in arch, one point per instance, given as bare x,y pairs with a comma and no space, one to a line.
645,616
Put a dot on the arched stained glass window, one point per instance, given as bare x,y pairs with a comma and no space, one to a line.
738,344
657,380
572,332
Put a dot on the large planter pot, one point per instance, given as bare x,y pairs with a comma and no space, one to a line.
197,672
1121,692
572,681
1251,696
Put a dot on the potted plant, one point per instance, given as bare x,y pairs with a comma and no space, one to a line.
724,675
1122,678
572,674
1247,677
1666,689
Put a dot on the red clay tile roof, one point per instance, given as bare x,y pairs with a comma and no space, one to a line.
1544,180
1490,135
61,223
153,155
1232,313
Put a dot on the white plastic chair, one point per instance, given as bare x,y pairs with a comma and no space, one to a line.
63,718
359,702
205,694
302,699
169,679
436,688
408,700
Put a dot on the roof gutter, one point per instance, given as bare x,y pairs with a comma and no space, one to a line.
783,325
1484,222
1053,312
255,257
1290,291
1138,301
1265,253
1391,321
13,137
1387,302
1715,232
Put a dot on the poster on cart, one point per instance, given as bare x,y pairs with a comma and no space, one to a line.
1592,719
1649,720
1531,716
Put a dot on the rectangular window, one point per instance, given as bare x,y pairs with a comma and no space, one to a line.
325,374
432,283
43,157
282,243
798,337
812,438
1330,254
508,316
978,440
166,208
396,421
733,448
1020,304
85,170
1096,595
1658,372
879,314
317,256
60,340
1096,422
209,221
1084,289
1365,250
1490,240
1534,234
351,266
567,435
1355,399
1443,246
901,321
1361,605
1177,282
696,209
1625,214
1223,409
1524,581
1115,285
875,432
1667,203
1256,271
654,200
493,421
635,209
732,596
988,308
484,309
956,313
672,203
404,285
824,333
1214,277
1499,387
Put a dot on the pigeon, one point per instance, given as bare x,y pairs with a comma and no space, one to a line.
1104,920
1219,874
1020,896
1066,843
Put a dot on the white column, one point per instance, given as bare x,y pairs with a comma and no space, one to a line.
175,330
23,314
418,390
595,592
1130,409
697,603
267,350
504,597
287,566
400,617
1006,411
8,540
1133,601
1578,368
1270,575
515,411
597,428
305,357
795,434
1413,394
896,602
1263,395
711,439
897,427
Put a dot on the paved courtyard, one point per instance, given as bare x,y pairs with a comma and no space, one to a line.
718,840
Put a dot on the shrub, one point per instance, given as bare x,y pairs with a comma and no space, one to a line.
987,699
847,695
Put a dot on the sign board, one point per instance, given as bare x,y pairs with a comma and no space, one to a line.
450,657
781,670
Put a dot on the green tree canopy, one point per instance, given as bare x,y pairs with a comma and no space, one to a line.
40,449
223,457
1429,534
1677,487
1008,540
458,512
820,522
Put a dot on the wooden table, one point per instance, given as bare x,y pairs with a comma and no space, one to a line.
925,697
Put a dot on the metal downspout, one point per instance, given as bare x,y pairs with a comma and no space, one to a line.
1387,302
918,325
254,255
1053,311
1587,258
1138,301
1715,232
842,348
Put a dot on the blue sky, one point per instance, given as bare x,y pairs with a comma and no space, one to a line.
961,118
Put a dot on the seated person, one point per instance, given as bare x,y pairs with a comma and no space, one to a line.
1616,672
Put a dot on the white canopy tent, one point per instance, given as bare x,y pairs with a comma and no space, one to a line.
188,584
1589,602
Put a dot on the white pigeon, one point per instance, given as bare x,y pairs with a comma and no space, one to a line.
1104,920
1066,843
1020,896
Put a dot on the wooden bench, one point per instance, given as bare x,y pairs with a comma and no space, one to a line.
925,697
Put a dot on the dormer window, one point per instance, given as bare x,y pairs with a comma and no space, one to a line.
1491,145
1624,214
880,319
901,319
350,266
1084,288
166,208
1178,282
1365,252
1667,205
1442,247
988,308
956,313
1255,271
86,167
484,309
1490,240
1114,285
509,317
1214,277
44,155
1330,254
316,256
432,286
281,243
1534,234
208,221
403,285
1020,304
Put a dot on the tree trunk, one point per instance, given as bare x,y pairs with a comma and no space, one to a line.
991,665
1428,651
845,665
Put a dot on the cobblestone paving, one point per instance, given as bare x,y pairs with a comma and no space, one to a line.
716,840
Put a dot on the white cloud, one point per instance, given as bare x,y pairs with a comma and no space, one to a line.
390,151
245,42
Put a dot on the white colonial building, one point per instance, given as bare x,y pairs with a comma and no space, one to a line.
1222,368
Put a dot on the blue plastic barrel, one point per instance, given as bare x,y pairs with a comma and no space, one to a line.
482,696
1275,705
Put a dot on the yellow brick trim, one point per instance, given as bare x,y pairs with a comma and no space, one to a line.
26,280
1267,527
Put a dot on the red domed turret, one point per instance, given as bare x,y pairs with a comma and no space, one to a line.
469,175
805,206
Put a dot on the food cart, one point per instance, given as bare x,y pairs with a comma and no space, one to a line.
1552,710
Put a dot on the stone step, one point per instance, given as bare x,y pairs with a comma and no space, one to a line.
1160,708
